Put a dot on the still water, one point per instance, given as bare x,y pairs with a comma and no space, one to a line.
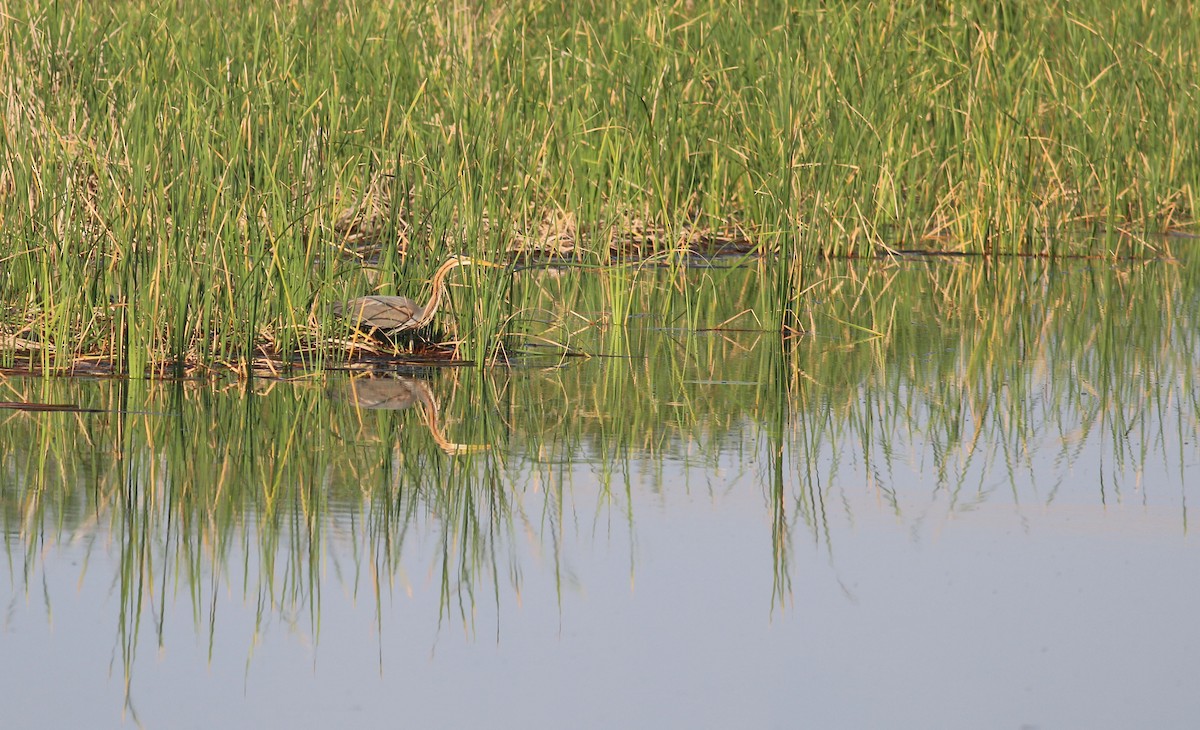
971,511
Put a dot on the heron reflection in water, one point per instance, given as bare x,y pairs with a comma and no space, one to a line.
392,315
399,393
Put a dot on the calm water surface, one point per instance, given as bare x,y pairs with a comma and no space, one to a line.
973,520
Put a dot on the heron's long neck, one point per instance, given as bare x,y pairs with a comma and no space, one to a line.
435,297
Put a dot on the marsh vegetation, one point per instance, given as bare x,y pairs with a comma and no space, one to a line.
823,336
188,187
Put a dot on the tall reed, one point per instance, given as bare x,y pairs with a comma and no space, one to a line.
185,186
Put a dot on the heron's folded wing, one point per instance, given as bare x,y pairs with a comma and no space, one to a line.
383,313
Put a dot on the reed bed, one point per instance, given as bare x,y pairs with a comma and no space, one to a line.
187,186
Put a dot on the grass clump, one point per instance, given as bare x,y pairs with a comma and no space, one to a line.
192,186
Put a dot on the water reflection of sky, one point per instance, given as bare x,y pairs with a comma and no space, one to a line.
900,608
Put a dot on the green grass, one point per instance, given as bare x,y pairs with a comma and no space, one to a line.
190,186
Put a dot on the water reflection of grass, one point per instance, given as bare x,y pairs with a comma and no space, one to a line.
273,488
945,361
202,204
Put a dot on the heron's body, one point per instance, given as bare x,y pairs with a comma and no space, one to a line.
387,314
395,314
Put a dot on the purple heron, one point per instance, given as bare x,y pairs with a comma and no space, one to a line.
394,314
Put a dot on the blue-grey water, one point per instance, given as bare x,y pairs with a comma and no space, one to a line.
874,541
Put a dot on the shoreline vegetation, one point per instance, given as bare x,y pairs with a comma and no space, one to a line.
187,188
